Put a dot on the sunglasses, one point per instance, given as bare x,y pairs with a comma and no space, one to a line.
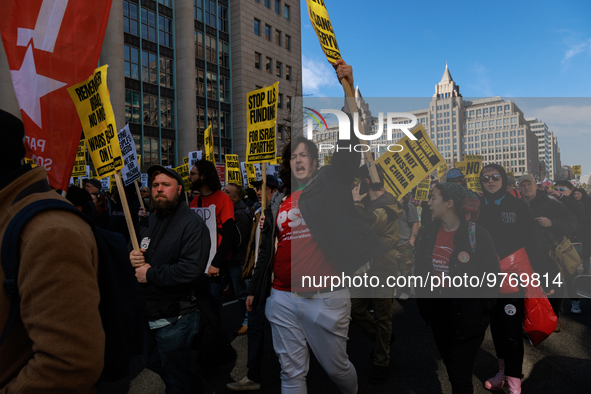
495,177
561,189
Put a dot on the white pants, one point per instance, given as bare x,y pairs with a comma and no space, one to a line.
321,322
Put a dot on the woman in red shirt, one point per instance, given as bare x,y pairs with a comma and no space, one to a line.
452,254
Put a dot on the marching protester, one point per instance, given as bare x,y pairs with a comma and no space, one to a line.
170,270
512,229
408,232
331,238
582,196
256,317
454,175
381,211
553,224
512,188
54,341
233,271
453,245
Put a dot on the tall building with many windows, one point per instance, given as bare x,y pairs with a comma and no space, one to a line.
540,129
178,66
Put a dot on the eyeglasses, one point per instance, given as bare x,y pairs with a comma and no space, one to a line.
494,177
561,189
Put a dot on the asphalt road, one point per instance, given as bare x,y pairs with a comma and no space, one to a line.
561,364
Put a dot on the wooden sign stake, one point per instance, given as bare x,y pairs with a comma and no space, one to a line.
139,195
128,219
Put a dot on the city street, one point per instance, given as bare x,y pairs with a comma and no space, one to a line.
561,364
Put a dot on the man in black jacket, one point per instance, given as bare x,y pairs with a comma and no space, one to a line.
511,227
169,268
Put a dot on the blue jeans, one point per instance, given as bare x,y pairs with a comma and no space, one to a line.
233,274
167,351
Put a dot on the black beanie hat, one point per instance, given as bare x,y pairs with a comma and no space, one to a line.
12,147
492,197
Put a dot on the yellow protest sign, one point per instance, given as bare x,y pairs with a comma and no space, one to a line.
261,119
441,171
422,193
471,171
321,22
80,162
576,170
183,171
251,173
403,170
510,173
233,170
208,142
327,160
112,184
93,103
33,164
186,160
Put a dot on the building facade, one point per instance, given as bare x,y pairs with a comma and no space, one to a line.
179,66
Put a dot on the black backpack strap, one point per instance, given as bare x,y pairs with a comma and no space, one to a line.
10,253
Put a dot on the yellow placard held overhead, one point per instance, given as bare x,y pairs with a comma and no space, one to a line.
405,169
251,173
261,119
470,167
80,162
576,170
93,103
233,170
321,22
208,143
441,171
422,193
183,171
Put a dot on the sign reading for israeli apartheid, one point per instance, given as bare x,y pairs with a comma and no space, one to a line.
183,171
576,170
208,142
93,103
422,193
233,170
403,170
321,22
80,162
131,171
261,119
470,167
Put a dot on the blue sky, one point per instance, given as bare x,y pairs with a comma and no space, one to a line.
514,49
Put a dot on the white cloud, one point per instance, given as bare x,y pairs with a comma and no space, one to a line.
565,119
575,49
317,74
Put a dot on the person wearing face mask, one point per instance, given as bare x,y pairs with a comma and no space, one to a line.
512,228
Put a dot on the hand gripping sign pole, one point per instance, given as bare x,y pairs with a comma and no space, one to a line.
328,41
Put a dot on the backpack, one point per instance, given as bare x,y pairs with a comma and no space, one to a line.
116,280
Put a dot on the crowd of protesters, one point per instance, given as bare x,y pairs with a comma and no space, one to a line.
312,222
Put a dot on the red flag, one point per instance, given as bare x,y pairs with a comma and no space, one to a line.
51,45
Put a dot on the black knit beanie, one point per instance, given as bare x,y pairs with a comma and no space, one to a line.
12,148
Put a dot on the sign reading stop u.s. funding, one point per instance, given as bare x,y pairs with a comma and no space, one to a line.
261,119
93,103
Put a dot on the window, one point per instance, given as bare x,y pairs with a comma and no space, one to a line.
211,49
198,10
277,37
167,151
148,25
200,120
268,65
200,82
507,107
223,18
166,73
225,124
212,119
224,54
257,27
278,66
268,32
288,42
267,3
499,108
485,110
257,60
132,106
212,86
278,6
492,109
288,103
151,148
225,90
280,101
164,31
150,110
149,67
132,61
199,45
210,13
286,11
288,73
167,113
130,21
167,3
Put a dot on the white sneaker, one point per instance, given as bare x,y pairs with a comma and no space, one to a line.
244,385
575,307
404,297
